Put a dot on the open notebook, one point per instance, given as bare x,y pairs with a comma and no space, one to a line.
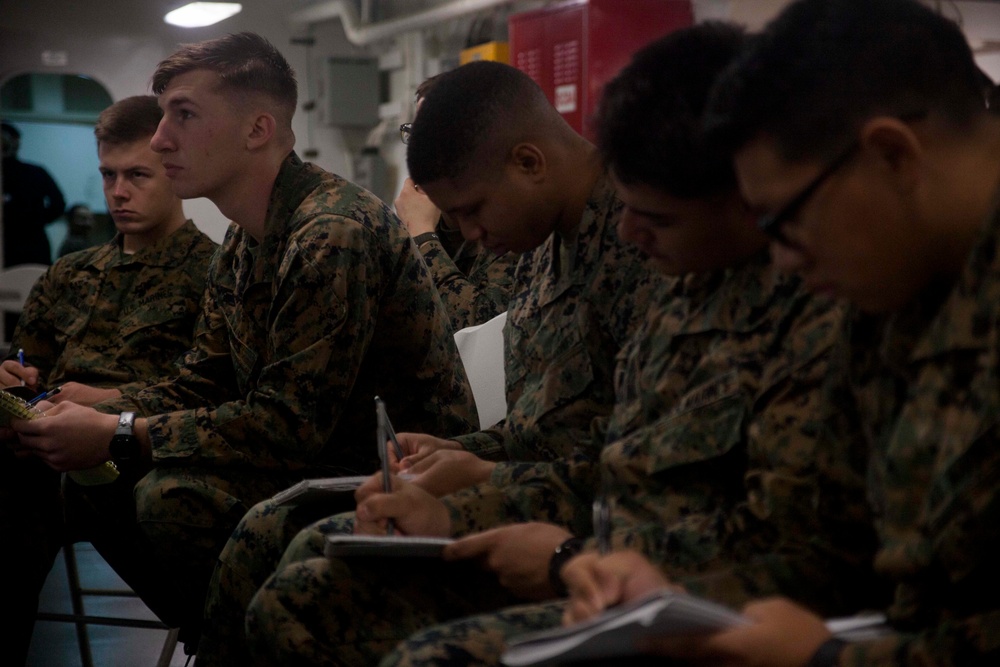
385,545
620,631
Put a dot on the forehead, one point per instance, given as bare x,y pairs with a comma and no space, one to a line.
126,156
767,179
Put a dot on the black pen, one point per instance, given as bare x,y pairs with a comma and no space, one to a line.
45,394
387,425
383,454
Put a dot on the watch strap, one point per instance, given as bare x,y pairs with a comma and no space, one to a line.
126,422
421,239
562,554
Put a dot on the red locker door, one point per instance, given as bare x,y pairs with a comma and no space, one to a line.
615,30
572,49
549,46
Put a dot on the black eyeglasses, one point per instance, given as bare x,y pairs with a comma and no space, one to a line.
772,223
404,132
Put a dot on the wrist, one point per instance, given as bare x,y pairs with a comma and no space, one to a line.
828,653
562,555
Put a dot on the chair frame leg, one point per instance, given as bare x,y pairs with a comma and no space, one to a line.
82,636
81,620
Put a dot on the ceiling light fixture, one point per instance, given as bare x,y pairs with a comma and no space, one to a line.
198,14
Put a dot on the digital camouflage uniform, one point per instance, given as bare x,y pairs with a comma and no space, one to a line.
929,388
300,332
474,283
105,319
718,460
576,300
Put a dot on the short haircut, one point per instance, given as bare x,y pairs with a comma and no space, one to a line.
245,62
10,129
425,86
474,115
823,67
649,119
128,120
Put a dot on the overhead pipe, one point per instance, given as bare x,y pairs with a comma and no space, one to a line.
360,34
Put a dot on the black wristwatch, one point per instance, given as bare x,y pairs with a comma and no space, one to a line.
563,553
124,448
421,239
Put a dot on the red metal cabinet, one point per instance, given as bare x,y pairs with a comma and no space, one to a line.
572,49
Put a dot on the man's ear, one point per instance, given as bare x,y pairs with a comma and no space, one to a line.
261,130
528,160
894,143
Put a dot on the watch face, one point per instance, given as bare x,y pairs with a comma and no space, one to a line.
124,448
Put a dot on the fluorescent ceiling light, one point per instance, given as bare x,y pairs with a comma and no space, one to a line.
198,14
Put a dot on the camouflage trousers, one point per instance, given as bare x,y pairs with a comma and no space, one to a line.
476,640
353,611
479,641
252,553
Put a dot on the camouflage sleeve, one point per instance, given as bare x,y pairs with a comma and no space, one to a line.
322,322
36,331
559,492
487,444
799,524
474,298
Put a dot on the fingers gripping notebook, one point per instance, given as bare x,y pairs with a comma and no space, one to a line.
13,407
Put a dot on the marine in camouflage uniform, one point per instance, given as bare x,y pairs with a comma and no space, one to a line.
299,333
928,387
577,299
719,461
474,283
103,318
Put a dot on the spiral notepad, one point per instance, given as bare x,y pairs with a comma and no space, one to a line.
12,407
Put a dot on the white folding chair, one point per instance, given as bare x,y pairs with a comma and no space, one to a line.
481,350
15,285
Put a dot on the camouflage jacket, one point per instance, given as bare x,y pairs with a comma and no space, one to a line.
576,300
301,332
719,458
474,283
929,390
104,318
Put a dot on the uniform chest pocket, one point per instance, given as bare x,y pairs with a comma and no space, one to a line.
542,378
69,320
164,318
705,428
